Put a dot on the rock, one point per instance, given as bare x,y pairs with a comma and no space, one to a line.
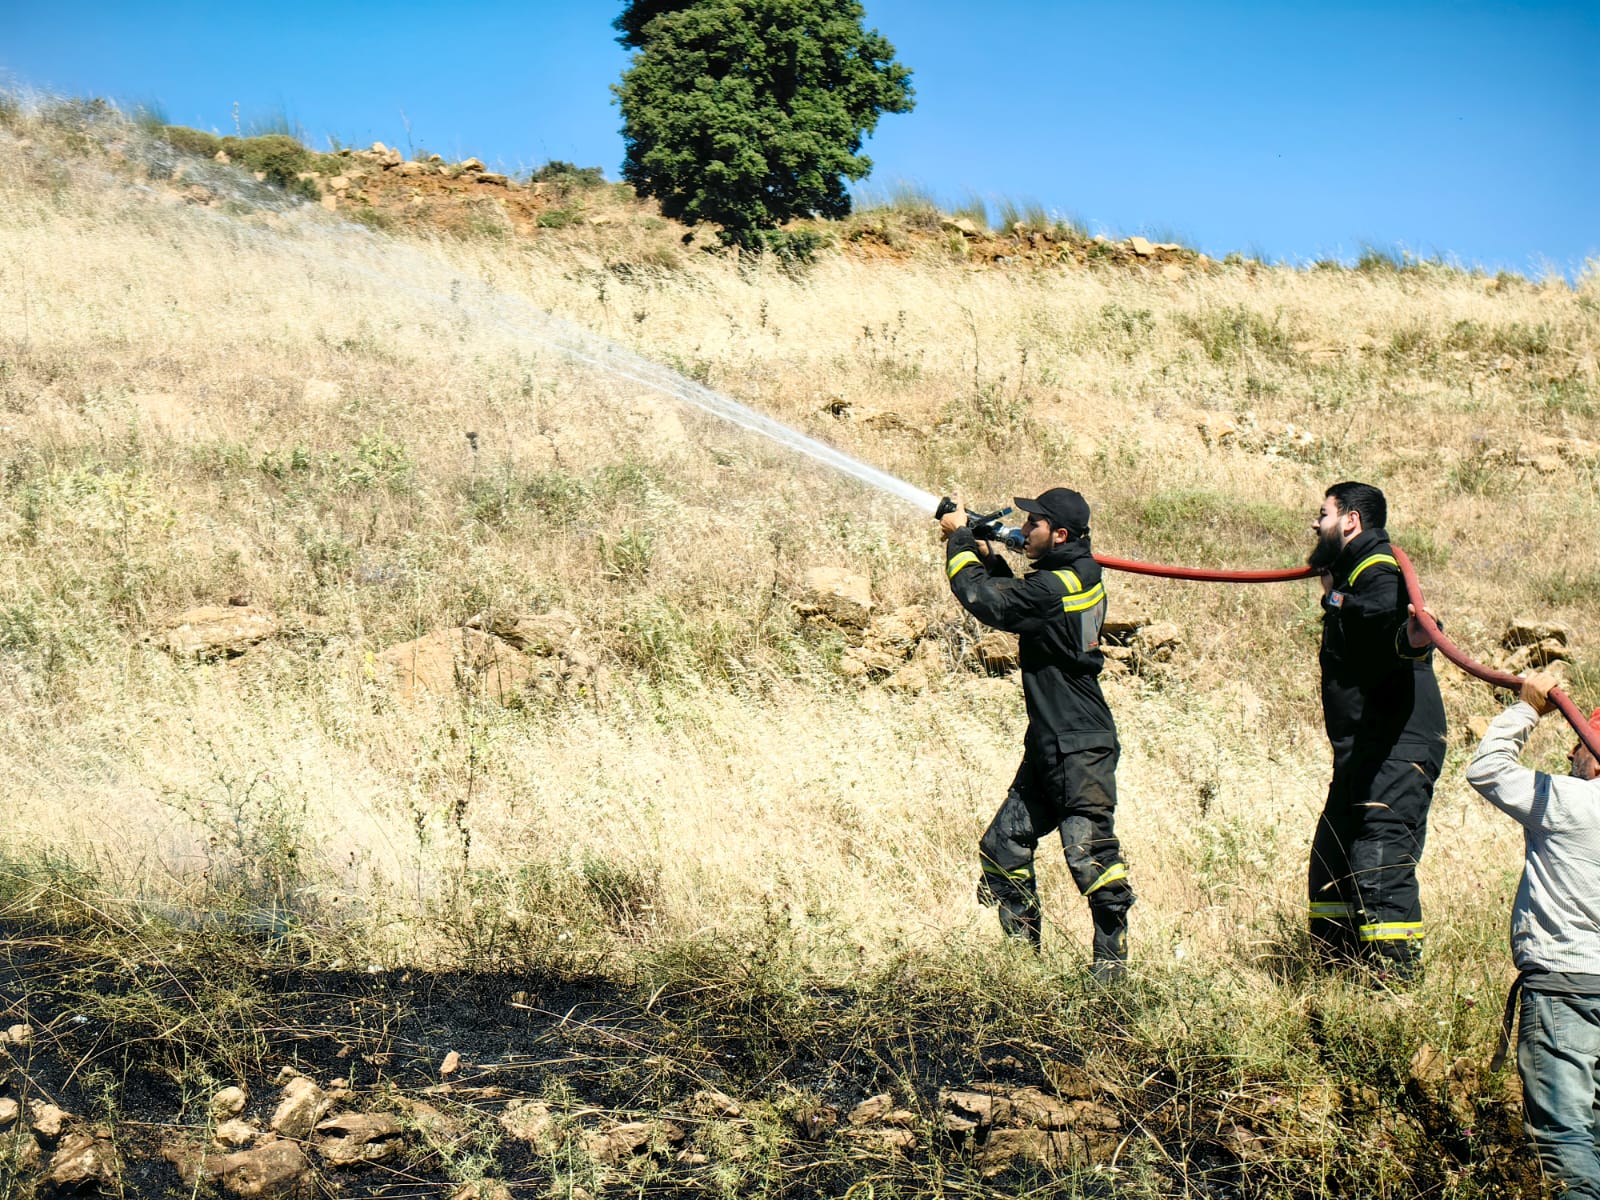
1527,631
962,226
1156,643
17,1035
1033,1147
913,679
815,1121
871,1109
351,1139
235,1133
1141,247
999,652
25,1153
9,1111
302,1106
47,1120
83,1162
482,1189
446,660
711,1103
436,1128
339,183
218,631
888,421
1122,626
878,1140
221,156
1173,273
275,1168
407,169
835,596
900,631
498,180
470,165
451,1063
531,1121
633,1138
229,1102
1217,429
1549,653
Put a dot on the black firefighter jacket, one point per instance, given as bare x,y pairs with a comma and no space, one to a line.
1379,695
1056,611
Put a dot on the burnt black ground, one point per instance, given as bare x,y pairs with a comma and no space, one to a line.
138,1033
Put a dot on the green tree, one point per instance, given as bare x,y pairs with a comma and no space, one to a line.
749,112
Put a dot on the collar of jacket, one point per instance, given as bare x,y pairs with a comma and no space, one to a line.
1367,542
1074,551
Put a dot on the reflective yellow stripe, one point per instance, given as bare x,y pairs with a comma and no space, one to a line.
1021,874
1391,931
1367,562
1069,580
1088,599
1113,873
1331,910
965,559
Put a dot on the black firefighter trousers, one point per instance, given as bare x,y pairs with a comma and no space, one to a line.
1074,793
1363,875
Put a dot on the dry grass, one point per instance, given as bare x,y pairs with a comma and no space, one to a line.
200,402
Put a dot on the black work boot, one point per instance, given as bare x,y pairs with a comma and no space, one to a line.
1110,962
1020,919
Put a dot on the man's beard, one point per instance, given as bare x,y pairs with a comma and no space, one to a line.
1325,552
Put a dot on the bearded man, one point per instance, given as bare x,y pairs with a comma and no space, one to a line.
1385,721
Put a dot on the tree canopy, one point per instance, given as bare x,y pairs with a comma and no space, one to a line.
750,112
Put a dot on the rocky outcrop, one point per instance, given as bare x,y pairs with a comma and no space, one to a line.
83,1162
1006,1126
217,631
353,1139
835,597
301,1107
1529,645
462,659
278,1168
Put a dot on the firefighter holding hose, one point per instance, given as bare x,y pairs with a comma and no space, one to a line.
1067,780
1385,720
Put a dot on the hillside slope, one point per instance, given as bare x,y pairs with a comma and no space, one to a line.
523,672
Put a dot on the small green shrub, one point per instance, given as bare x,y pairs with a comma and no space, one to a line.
1566,588
558,218
789,246
1228,334
373,218
278,157
567,175
191,141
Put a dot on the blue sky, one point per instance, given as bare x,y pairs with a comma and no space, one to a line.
1462,129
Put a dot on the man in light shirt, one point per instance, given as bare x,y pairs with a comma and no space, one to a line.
1555,938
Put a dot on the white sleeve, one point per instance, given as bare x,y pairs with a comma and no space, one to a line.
1494,770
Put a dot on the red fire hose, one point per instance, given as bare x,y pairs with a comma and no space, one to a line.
1586,733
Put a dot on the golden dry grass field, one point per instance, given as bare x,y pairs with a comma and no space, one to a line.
375,435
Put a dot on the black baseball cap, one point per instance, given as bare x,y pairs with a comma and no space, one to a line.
1062,507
